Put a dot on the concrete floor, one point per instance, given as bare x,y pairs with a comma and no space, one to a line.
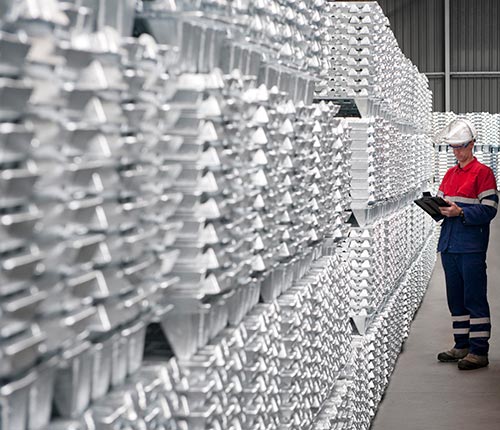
427,395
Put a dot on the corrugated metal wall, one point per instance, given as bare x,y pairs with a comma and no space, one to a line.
475,45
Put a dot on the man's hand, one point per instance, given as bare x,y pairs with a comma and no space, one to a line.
451,211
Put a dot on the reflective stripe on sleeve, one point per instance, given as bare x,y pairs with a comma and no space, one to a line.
458,199
440,193
490,203
487,193
461,331
474,334
480,320
461,318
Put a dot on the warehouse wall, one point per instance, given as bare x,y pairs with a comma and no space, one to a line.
474,47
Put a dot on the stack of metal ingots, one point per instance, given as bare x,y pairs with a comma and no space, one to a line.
155,190
355,397
485,149
379,256
383,172
84,267
277,41
275,370
369,67
140,195
390,136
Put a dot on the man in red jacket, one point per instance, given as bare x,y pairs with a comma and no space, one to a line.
470,189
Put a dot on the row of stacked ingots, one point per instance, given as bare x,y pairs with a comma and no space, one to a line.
188,231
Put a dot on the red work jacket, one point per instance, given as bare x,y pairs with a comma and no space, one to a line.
474,189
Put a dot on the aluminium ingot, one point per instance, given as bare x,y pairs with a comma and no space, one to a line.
184,326
20,346
14,97
20,266
23,303
14,48
73,381
41,394
15,397
16,185
18,226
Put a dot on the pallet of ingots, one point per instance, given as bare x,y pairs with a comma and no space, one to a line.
379,255
82,293
355,400
364,249
135,187
209,39
362,55
276,368
377,148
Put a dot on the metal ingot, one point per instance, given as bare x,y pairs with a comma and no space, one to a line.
87,213
73,381
88,141
14,50
16,185
80,18
188,179
180,149
35,17
168,233
197,419
20,347
115,311
20,267
237,304
80,252
15,142
22,304
137,177
144,269
272,285
41,395
102,365
75,101
110,413
138,115
132,244
14,96
185,325
14,397
130,208
98,285
92,176
65,323
75,60
119,360
198,394
102,74
219,313
168,260
167,173
134,336
17,227
186,125
197,368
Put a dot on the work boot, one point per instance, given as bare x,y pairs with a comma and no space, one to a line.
453,355
473,362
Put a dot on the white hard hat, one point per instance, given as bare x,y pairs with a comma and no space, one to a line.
459,132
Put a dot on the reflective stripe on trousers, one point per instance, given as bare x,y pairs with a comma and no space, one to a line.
466,291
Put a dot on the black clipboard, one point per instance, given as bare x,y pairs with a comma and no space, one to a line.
431,205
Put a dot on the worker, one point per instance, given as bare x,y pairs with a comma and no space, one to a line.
471,191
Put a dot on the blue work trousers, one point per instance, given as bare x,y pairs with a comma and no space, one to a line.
466,290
